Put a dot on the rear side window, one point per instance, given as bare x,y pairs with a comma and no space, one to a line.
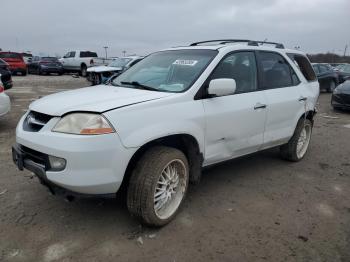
304,65
88,54
276,71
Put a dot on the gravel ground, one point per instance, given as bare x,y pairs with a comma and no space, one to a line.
256,208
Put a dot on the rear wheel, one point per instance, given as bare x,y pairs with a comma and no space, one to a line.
83,70
158,185
331,86
298,145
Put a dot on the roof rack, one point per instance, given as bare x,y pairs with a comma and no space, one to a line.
250,42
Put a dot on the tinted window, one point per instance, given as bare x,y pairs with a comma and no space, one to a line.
242,68
276,72
88,54
315,67
304,65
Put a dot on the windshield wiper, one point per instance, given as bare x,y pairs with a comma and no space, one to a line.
135,83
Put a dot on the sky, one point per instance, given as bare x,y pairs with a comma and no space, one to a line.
53,27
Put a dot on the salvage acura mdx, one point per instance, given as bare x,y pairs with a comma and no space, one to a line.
157,124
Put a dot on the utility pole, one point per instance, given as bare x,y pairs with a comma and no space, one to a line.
105,47
345,49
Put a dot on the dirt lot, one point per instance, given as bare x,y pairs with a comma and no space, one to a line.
257,208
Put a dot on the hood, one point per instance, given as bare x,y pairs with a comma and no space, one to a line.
99,69
93,99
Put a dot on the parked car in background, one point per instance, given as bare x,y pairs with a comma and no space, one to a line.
344,73
45,65
100,74
341,96
326,76
27,57
79,61
5,72
15,62
164,119
5,104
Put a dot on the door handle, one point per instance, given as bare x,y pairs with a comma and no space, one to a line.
259,106
302,99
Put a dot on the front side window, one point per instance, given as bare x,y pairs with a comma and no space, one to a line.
242,68
167,71
276,72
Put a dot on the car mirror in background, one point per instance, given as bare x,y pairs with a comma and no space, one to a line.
222,87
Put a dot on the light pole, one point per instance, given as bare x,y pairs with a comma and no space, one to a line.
105,47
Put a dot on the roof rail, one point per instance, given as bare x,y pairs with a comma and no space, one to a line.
250,42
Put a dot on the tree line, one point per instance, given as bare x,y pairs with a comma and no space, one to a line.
328,58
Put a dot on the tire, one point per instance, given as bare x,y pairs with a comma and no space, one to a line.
149,178
39,71
331,86
83,71
290,151
24,73
97,79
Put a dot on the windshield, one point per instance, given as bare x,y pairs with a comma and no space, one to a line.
120,62
167,71
345,68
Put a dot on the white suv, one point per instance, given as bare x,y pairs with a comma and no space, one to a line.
157,124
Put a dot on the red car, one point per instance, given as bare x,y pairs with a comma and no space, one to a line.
15,61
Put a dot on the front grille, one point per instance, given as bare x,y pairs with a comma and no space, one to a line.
35,121
37,157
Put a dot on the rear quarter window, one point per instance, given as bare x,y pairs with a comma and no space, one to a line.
304,66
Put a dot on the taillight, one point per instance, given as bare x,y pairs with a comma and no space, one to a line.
2,89
91,61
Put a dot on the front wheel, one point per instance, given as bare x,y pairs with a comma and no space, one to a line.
298,145
158,185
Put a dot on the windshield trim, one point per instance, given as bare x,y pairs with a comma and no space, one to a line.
215,52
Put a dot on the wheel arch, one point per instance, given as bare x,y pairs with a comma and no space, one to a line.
186,143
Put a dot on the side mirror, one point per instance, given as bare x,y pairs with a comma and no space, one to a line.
222,87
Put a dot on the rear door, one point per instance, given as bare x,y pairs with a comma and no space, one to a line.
282,89
235,123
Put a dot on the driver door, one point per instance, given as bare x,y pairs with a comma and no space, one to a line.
235,123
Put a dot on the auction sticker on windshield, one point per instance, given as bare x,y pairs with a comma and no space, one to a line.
185,62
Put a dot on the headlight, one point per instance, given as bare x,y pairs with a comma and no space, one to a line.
83,124
336,91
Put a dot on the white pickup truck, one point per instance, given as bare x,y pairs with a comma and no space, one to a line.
80,60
